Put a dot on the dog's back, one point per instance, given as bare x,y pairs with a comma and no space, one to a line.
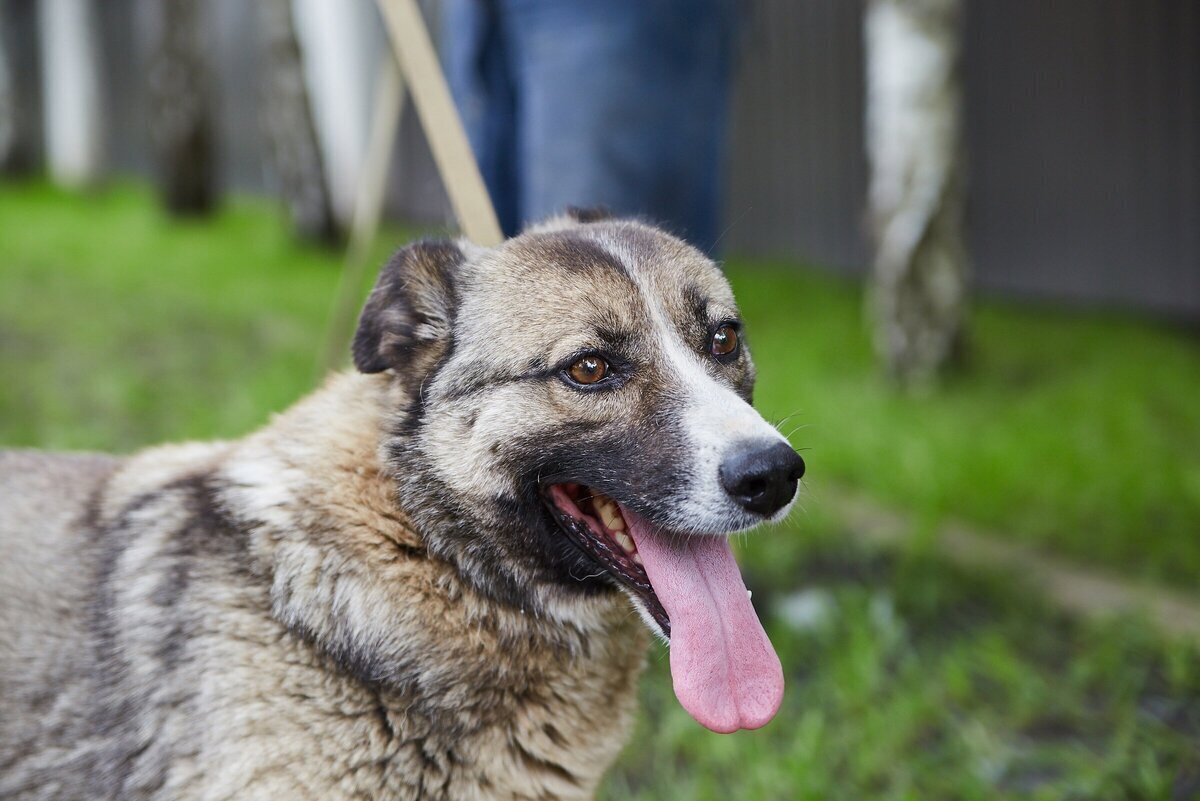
44,580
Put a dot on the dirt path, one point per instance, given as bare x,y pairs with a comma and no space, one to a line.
1080,590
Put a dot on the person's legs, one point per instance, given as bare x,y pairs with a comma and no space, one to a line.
477,61
623,103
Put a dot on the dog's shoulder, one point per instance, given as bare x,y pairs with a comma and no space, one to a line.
28,478
318,467
45,499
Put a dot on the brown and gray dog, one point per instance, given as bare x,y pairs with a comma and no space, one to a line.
419,582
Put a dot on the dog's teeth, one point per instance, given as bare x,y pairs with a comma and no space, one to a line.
616,522
749,594
610,514
637,558
625,542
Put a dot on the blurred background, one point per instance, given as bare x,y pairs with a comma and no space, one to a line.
965,235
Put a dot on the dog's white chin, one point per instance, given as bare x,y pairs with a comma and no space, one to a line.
643,612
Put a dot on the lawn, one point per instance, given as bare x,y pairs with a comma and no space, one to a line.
907,678
122,328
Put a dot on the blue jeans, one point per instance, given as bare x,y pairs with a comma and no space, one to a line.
615,103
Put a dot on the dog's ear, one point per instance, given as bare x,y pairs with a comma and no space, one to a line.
589,215
411,305
572,217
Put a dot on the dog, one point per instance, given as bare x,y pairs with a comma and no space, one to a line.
437,576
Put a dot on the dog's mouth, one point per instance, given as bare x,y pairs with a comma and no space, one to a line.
596,523
725,671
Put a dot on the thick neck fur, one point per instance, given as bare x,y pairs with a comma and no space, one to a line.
552,689
329,531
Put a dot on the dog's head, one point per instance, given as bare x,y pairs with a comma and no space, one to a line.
576,421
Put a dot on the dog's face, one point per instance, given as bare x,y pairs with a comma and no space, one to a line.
578,421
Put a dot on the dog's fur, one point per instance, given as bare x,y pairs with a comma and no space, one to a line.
367,598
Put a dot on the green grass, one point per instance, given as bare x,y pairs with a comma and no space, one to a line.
121,327
910,680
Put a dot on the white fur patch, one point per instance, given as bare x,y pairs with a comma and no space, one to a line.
262,486
718,421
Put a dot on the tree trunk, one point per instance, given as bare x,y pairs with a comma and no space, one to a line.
181,109
20,76
289,121
9,111
74,127
914,146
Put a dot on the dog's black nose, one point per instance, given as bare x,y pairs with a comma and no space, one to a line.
762,479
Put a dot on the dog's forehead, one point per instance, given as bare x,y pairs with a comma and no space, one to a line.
617,274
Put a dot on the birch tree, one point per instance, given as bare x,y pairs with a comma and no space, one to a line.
288,116
341,46
181,109
71,68
917,296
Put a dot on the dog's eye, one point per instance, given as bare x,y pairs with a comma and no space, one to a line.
588,369
724,341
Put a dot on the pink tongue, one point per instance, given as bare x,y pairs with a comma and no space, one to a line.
726,674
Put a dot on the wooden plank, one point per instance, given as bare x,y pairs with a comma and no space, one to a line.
439,118
367,211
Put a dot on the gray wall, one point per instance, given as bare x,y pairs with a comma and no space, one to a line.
1083,129
1083,133
1084,121
236,60
798,174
